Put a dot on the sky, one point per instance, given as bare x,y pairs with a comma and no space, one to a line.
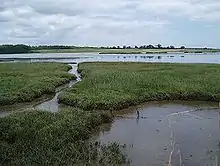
193,23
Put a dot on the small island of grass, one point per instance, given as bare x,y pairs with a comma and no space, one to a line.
113,86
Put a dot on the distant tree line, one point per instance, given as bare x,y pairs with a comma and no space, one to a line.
158,46
15,49
45,47
21,48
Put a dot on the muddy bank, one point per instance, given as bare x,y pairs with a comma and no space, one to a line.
174,134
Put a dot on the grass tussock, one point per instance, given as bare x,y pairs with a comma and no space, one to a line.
43,138
113,86
23,82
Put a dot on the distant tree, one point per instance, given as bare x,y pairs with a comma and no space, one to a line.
54,47
114,47
143,47
124,47
128,47
159,46
135,46
172,47
182,47
118,47
150,47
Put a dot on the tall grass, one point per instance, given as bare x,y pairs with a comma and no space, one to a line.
23,82
113,86
43,138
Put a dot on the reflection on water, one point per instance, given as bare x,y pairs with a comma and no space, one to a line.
176,134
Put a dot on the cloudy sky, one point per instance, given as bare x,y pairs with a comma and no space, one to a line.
111,22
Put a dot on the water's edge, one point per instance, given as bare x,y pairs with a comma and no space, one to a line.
45,102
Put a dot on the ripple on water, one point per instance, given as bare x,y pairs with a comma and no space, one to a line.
168,132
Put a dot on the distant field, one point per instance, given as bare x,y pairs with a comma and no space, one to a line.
123,51
22,82
113,86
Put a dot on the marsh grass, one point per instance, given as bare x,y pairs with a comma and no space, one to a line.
23,82
43,138
113,86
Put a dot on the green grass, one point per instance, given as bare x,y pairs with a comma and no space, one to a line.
43,138
23,82
124,51
76,50
113,86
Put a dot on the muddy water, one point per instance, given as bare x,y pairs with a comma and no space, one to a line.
168,134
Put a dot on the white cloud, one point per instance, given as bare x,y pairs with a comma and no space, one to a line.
99,22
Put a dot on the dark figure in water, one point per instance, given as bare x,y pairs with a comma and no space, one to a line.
138,114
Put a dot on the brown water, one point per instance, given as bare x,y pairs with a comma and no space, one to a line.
168,134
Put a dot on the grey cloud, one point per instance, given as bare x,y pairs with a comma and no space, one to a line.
52,9
99,22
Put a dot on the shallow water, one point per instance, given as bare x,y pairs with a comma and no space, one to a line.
91,57
173,134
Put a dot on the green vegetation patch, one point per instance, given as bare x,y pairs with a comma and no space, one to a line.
113,86
15,49
23,82
43,138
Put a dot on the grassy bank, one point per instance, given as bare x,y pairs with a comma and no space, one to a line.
113,86
23,82
43,138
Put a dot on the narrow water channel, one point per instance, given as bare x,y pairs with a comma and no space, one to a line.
46,102
52,105
168,134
